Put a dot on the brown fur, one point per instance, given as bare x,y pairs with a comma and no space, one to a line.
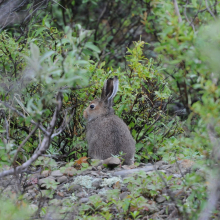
107,134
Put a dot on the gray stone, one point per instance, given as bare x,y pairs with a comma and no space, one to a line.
160,199
163,171
56,202
124,189
112,162
69,171
97,183
62,179
177,175
94,173
165,167
30,191
126,167
81,194
43,181
33,207
124,173
99,168
45,173
75,187
56,173
27,196
83,200
30,187
123,195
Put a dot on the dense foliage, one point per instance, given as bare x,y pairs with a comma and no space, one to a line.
166,56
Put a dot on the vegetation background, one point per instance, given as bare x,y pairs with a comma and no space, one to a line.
56,55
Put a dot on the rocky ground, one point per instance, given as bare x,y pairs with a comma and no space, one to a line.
100,190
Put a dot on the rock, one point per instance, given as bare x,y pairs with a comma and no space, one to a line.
27,196
30,191
83,200
62,179
160,199
187,163
94,173
81,194
160,163
45,173
124,173
112,162
177,175
126,167
61,194
33,208
179,193
163,171
165,167
99,168
56,202
74,187
124,189
97,183
30,187
123,195
69,171
56,173
43,181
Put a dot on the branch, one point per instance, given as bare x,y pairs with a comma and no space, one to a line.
7,105
190,23
209,10
177,10
63,126
23,143
44,145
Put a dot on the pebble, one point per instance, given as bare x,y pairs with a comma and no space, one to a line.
124,195
56,173
83,200
33,207
45,180
112,162
81,194
97,183
74,187
160,199
62,179
45,173
70,171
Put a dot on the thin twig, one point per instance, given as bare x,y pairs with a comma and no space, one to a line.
44,145
23,143
209,10
177,10
190,23
20,114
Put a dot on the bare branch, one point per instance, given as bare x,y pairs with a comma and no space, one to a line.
64,124
23,143
44,145
209,10
7,105
177,10
190,23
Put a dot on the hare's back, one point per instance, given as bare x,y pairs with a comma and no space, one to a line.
108,136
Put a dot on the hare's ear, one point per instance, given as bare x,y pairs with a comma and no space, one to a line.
109,90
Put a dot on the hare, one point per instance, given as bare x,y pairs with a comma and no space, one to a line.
106,133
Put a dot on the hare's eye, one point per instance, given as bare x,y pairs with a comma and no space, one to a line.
92,106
